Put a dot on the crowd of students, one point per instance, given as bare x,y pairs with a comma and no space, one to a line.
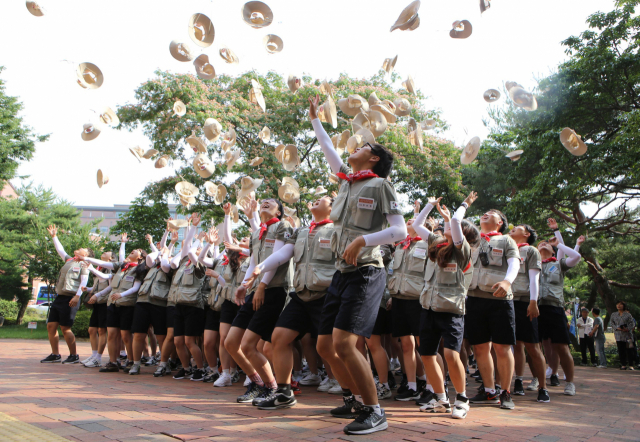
357,294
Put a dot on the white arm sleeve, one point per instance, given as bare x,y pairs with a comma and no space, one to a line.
252,265
221,281
534,283
254,222
573,256
121,255
153,247
418,223
101,263
175,261
456,226
59,248
327,146
133,290
268,276
560,241
163,241
396,231
203,256
165,264
151,258
256,216
101,275
83,283
103,292
277,258
577,248
512,270
246,252
226,229
186,244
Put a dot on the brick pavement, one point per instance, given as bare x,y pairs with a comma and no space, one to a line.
80,404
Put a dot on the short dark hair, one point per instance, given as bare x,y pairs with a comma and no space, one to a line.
385,165
503,227
533,235
624,304
595,310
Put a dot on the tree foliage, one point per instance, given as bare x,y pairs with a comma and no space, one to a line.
141,219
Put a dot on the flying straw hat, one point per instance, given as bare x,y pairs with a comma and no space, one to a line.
204,69
409,85
89,76
265,135
218,192
412,125
102,178
137,152
179,108
294,83
108,117
185,189
256,161
373,99
361,137
329,111
461,29
373,120
289,191
176,224
333,178
353,104
573,142
272,43
386,108
389,64
470,152
408,19
230,158
228,139
403,107
291,212
150,153
235,216
257,14
162,162
90,132
255,95
212,129
290,158
326,88
228,55
181,51
201,30
203,165
523,99
415,136
196,143
491,95
484,5
279,153
320,190
35,9
340,141
514,155
248,185
428,124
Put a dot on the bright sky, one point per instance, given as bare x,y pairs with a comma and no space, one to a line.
514,40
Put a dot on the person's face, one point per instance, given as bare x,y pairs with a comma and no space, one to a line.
491,220
244,242
321,207
620,307
81,253
410,229
438,233
585,314
135,255
546,247
106,256
362,155
519,233
269,207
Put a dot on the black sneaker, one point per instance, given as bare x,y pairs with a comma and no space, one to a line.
518,388
505,400
485,398
198,375
425,397
173,365
51,359
350,409
422,385
554,381
475,374
252,392
72,359
182,374
409,395
211,377
235,377
266,394
122,357
161,371
404,384
110,368
367,422
543,395
391,381
277,401
479,378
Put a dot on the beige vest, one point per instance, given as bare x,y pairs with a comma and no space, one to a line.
99,285
186,287
520,286
407,278
262,249
485,277
69,279
552,284
155,287
214,300
121,282
314,262
445,287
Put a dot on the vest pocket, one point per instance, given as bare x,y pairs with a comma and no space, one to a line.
488,278
397,259
444,277
188,296
392,284
520,285
338,203
418,260
449,301
159,291
425,297
187,278
299,277
321,277
413,286
362,218
322,250
298,250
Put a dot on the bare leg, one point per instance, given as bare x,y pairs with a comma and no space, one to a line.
505,364
434,373
485,364
102,340
225,357
192,344
249,347
536,363
93,338
409,356
168,346
211,347
327,351
232,344
52,332
127,340
153,341
138,345
183,354
310,353
566,360
69,338
380,359
456,369
345,344
113,343
283,353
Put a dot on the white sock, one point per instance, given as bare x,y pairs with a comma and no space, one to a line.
430,388
233,370
136,362
464,393
520,378
413,386
490,390
376,409
386,384
423,377
441,396
225,370
123,353
163,364
94,353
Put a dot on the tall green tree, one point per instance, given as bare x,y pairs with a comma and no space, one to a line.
141,219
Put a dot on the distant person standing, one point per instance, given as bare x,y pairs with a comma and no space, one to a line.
622,324
585,326
598,336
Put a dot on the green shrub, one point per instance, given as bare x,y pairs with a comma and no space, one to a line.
81,324
9,309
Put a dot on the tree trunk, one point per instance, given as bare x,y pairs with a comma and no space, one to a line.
24,301
593,297
602,286
21,312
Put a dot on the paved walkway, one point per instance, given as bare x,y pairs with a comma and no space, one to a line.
77,403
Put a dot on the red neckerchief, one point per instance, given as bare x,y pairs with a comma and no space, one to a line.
225,261
407,241
367,173
321,223
99,269
242,255
522,244
128,265
487,236
265,226
442,244
552,259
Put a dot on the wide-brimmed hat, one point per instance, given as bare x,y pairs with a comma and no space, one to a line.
409,85
196,143
181,51
186,202
340,141
272,43
329,112
90,131
514,155
373,99
484,5
212,129
108,117
228,55
203,165
162,162
358,139
257,14
428,124
255,95
408,19
384,108
230,157
256,161
102,178
137,152
176,224
389,64
327,88
201,30
235,216
89,76
461,29
573,142
470,152
333,178
218,192
204,69
247,185
403,107
353,104
415,136
290,158
522,98
228,139
179,108
373,120
491,95
150,153
35,9
265,135
185,189
291,212
289,190
294,83
279,153
320,190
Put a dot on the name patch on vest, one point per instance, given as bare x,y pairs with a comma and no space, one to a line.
75,269
420,253
325,244
497,252
129,278
450,268
553,269
188,270
394,205
269,242
366,203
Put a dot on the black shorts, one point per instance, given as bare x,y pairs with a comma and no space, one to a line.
263,321
300,316
440,325
212,321
383,322
353,300
526,329
60,311
228,311
490,320
146,314
171,315
188,321
98,316
406,317
120,317
552,324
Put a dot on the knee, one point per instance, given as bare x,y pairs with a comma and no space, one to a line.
231,344
342,349
407,345
324,348
451,355
52,327
502,350
247,349
482,350
268,351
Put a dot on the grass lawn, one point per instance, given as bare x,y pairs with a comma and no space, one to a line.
22,332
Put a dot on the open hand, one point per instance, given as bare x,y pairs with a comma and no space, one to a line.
552,223
92,300
471,198
581,240
416,207
174,237
313,107
258,297
53,230
226,208
195,218
444,212
251,278
149,238
433,200
74,301
124,237
241,292
212,273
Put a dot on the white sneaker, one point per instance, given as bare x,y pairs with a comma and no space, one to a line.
86,361
224,380
247,381
336,389
460,409
94,363
311,379
297,376
570,389
437,406
325,385
533,385
548,373
383,392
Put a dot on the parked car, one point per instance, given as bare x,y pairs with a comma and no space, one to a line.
41,308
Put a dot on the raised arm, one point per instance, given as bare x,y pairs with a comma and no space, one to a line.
419,222
101,275
573,257
133,290
101,263
53,231
152,257
277,258
456,222
323,138
121,253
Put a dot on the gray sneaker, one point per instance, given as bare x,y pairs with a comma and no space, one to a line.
533,385
135,369
570,389
367,422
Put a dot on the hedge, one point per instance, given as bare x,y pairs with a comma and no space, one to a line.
9,309
81,324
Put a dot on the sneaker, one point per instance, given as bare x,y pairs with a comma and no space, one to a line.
198,375
335,389
350,409
485,398
554,381
533,385
409,395
548,373
51,359
94,363
135,369
570,389
72,359
404,384
266,393
422,385
505,400
158,356
367,422
127,367
160,371
518,388
603,366
225,380
235,377
384,392
252,392
172,365
479,378
110,368
279,400
543,395
144,360
325,385
437,406
122,357
297,376
460,407
311,380
475,374
212,376
392,381
247,381
152,361
182,374
424,398
89,359
295,387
